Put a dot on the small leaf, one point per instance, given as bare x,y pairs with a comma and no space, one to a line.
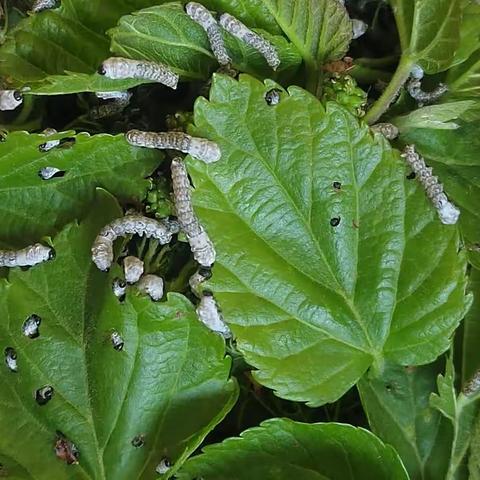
316,282
320,29
33,207
469,33
464,79
396,401
281,449
167,388
429,31
166,34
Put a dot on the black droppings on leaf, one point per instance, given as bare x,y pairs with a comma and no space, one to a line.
44,394
335,221
411,176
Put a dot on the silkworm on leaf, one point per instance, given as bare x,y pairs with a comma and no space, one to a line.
447,211
200,276
152,285
120,68
26,257
102,248
11,359
40,5
199,148
133,269
31,326
210,315
388,130
200,243
199,14
116,105
414,88
164,466
114,95
243,33
46,173
10,99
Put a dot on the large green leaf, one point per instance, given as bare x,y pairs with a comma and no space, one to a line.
453,154
312,304
71,37
429,31
169,383
320,29
168,35
32,207
281,449
396,401
469,33
471,332
464,79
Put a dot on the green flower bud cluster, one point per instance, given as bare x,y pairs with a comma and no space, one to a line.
344,90
158,198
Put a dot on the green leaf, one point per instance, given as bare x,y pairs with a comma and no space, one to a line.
253,13
461,411
168,35
32,207
320,29
396,401
464,80
281,449
469,33
69,38
429,31
313,305
169,383
453,154
434,116
474,460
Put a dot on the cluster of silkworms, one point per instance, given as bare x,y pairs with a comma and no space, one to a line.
447,211
199,14
414,88
26,257
199,148
120,68
10,99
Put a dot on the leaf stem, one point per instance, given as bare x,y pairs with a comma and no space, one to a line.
399,78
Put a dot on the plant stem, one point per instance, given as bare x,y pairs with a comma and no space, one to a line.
388,96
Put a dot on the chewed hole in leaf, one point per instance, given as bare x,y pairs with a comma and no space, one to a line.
31,326
117,341
66,450
11,359
44,394
335,221
138,441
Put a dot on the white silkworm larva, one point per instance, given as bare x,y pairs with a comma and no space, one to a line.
40,5
210,315
26,257
46,173
447,211
133,269
116,105
201,275
388,130
152,285
473,386
200,243
414,88
120,68
199,14
359,27
164,466
199,148
10,99
243,33
102,248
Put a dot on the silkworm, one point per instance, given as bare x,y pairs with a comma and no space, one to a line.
31,326
359,27
388,130
200,243
44,395
414,88
200,276
473,386
11,359
117,341
199,148
199,14
120,68
243,33
10,99
114,95
40,5
447,211
119,288
210,315
116,105
26,257
133,269
102,248
46,173
152,285
66,450
272,97
164,466
417,72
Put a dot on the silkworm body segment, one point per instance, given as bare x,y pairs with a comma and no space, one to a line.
10,99
26,257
